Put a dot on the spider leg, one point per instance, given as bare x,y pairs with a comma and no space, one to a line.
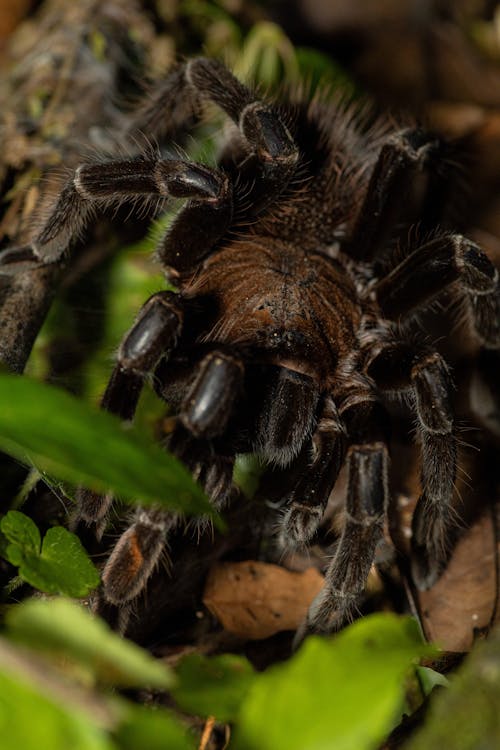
367,498
204,414
396,368
136,554
98,185
209,401
280,431
403,155
260,125
323,461
433,519
153,335
424,274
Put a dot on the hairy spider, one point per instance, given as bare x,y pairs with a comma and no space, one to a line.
292,322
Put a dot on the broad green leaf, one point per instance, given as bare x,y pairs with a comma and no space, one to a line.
66,628
152,730
342,693
213,686
45,426
30,720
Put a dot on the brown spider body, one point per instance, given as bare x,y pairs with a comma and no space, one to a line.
293,322
299,309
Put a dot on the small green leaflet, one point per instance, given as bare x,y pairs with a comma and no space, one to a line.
56,565
23,535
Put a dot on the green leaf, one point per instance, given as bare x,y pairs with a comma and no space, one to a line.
465,715
61,567
31,721
248,470
21,531
152,730
343,693
429,679
66,628
63,436
267,56
213,686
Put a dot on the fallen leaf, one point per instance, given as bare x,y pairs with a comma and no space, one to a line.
256,600
462,601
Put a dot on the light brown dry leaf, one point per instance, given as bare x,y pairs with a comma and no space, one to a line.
463,599
255,600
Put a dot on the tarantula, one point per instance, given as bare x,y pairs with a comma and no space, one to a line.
292,320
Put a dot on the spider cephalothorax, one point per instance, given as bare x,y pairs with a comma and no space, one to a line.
291,322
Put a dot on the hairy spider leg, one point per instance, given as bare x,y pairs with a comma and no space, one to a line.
136,554
208,464
205,412
398,367
153,335
286,415
366,504
403,155
260,124
97,185
433,266
433,519
208,403
207,407
321,462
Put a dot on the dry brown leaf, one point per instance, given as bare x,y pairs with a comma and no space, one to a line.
256,600
463,600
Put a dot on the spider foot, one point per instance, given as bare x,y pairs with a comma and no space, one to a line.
213,471
427,565
299,525
116,616
92,511
434,527
329,612
136,555
486,316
